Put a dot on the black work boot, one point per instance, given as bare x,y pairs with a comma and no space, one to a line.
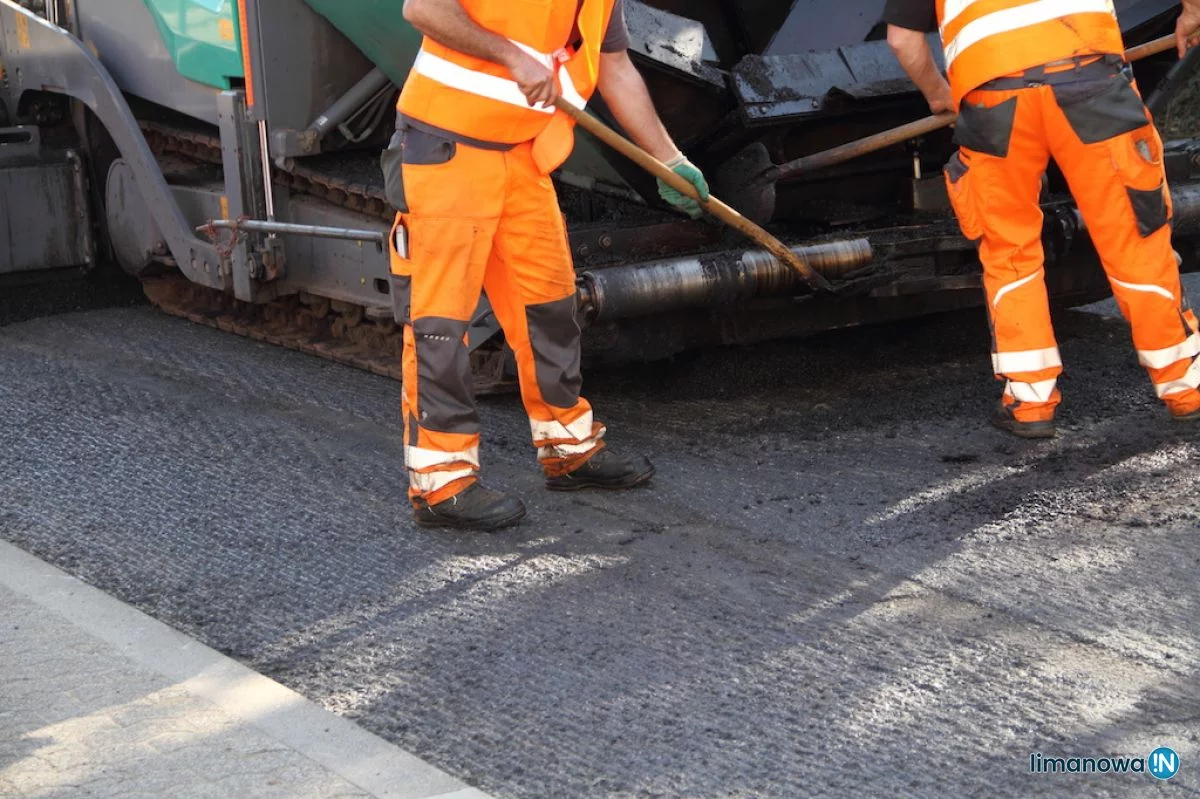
604,470
473,508
1003,418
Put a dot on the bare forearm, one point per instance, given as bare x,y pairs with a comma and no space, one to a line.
447,22
626,95
915,56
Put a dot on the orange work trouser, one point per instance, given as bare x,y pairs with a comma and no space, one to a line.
1100,134
481,219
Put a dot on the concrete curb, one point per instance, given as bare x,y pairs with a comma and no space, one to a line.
341,746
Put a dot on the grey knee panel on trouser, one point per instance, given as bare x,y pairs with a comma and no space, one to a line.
554,336
445,393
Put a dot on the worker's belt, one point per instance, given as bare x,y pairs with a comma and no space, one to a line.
404,123
1060,72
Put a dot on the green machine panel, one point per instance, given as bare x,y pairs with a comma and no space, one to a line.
376,27
202,38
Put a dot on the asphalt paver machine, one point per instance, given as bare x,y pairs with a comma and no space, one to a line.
226,153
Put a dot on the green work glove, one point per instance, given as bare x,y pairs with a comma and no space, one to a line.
688,171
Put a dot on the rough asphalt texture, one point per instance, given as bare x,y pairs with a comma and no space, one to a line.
841,583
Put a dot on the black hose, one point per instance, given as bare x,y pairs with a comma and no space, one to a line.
1172,82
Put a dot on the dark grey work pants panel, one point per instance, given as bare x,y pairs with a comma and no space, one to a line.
415,147
1099,110
445,395
554,335
1150,208
986,130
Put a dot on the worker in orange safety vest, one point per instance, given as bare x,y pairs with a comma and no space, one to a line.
469,174
1033,80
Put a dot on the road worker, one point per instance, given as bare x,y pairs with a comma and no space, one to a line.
1031,80
469,172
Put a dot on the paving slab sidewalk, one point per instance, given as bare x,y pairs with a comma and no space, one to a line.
99,700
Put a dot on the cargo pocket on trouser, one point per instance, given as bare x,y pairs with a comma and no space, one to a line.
1138,158
1149,208
1099,110
986,130
401,271
962,197
415,148
409,148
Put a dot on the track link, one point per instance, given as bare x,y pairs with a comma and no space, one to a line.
357,196
303,323
338,332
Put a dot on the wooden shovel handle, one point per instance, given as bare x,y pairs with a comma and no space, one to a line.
859,147
714,206
912,130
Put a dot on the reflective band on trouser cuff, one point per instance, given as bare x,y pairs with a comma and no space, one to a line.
555,431
1188,382
1040,391
1148,288
1010,19
428,482
427,468
556,440
419,458
1016,284
1026,360
567,450
1161,359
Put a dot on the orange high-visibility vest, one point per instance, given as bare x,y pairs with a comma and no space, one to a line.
988,39
479,100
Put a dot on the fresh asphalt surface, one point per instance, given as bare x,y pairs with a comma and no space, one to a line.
841,582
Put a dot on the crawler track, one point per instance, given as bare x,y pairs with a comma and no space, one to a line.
300,323
336,331
357,185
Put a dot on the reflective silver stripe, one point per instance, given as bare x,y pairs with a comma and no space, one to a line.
421,458
546,59
578,430
1160,359
1149,288
1022,16
952,11
1026,360
568,90
566,83
492,87
1031,392
428,482
468,80
1015,285
1188,382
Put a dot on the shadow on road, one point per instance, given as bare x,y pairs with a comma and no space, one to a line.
841,583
